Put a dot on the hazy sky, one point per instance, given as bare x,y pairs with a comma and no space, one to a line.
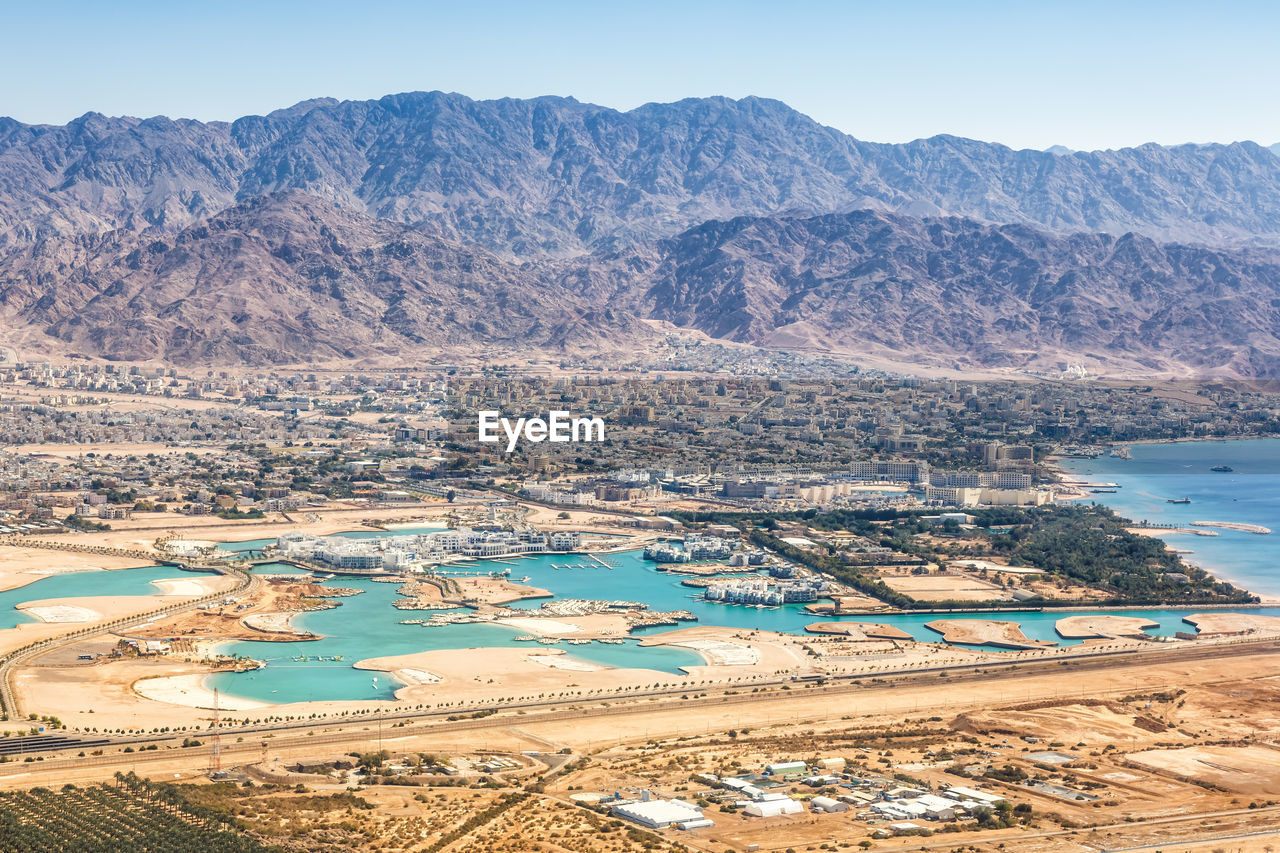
1029,74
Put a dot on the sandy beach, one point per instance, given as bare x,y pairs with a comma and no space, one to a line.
579,627
273,623
417,676
733,652
104,695
190,690
100,606
193,585
541,627
557,659
481,674
20,566
720,652
61,613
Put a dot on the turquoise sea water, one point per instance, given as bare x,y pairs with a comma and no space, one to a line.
1249,494
83,585
366,626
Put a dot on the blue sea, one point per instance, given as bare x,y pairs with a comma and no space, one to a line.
1250,493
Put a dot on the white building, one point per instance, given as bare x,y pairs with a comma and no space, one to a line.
659,814
826,804
773,808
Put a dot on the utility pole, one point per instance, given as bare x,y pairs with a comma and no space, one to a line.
378,713
215,754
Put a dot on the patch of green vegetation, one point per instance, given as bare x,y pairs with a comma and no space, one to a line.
133,815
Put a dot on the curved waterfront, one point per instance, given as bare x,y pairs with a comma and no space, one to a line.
367,626
118,582
1248,494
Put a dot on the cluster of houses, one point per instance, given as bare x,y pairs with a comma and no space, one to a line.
404,553
762,796
690,549
768,593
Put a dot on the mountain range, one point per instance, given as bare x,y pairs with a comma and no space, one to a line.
432,222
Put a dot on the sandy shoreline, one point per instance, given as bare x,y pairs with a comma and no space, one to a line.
985,632
60,613
1055,464
540,627
557,659
189,690
1106,626
276,622
21,566
859,630
188,586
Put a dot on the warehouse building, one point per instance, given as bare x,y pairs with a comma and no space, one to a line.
826,804
773,807
659,814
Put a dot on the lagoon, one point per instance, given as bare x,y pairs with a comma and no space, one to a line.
118,582
367,626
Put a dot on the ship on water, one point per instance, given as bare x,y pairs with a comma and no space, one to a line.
1178,500
1222,469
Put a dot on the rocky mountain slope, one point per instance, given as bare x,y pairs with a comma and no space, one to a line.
427,221
288,278
959,293
554,177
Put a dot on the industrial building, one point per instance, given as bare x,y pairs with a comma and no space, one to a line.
827,804
659,814
777,806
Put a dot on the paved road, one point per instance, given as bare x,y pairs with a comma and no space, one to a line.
241,743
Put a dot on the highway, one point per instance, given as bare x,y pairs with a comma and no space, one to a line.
695,714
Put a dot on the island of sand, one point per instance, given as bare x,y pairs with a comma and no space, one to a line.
985,632
475,674
1103,626
859,630
1226,624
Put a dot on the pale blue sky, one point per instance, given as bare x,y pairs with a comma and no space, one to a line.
1029,74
